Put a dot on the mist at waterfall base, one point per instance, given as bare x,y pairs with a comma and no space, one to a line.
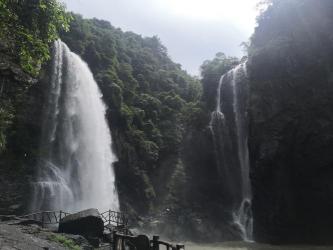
229,129
75,169
250,246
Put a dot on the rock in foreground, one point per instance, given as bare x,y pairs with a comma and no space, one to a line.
33,237
87,223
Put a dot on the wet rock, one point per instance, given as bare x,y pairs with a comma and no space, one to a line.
87,223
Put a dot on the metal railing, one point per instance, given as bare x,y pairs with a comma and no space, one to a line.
114,218
46,217
110,218
116,223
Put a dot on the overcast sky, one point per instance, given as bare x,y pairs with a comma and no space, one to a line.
192,30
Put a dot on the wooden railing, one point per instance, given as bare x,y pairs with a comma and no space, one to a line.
141,242
121,241
156,242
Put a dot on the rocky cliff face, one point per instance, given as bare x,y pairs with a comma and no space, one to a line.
21,105
191,204
291,127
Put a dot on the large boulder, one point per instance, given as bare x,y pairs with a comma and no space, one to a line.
87,223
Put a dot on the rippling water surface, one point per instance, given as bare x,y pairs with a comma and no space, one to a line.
250,246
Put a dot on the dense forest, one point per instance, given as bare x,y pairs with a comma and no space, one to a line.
166,173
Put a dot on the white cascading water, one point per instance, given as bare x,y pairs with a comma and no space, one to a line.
243,216
75,170
236,182
217,117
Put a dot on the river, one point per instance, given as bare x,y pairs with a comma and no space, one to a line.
250,246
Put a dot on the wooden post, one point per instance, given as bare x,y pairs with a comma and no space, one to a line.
115,240
109,217
43,219
123,244
2,84
156,246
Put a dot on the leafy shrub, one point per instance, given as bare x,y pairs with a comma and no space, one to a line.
28,27
66,242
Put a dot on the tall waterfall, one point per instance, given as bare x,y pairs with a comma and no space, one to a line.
75,170
229,127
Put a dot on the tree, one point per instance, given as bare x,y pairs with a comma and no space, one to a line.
211,72
27,27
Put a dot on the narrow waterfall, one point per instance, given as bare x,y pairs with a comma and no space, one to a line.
75,170
230,129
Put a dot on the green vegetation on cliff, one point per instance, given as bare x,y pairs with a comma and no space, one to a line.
149,98
27,28
211,72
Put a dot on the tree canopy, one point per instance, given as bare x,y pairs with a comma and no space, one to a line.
27,27
211,71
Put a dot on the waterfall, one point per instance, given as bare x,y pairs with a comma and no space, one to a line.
75,168
229,127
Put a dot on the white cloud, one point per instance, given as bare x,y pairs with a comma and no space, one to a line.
192,30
